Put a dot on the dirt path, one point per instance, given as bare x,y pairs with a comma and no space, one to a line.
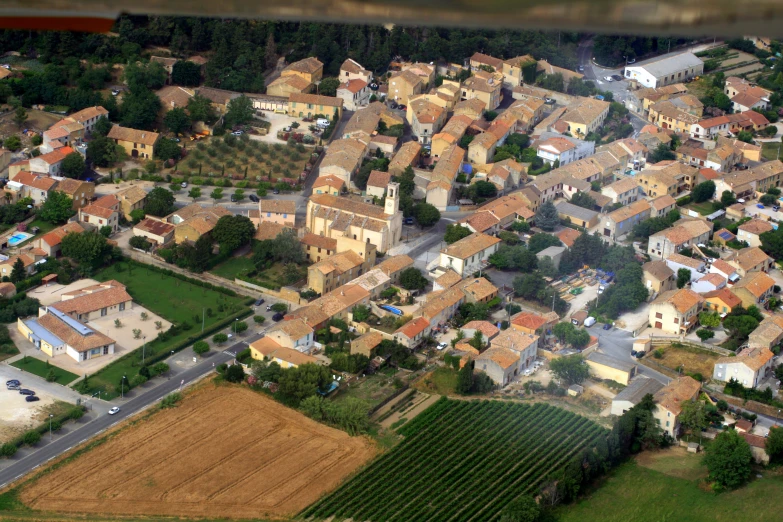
421,402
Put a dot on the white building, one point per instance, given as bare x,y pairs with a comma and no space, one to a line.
665,70
564,149
469,254
749,367
355,94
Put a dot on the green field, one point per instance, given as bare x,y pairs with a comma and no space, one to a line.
41,369
668,489
244,267
771,149
236,266
180,302
462,460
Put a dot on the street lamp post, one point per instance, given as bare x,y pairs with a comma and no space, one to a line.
50,426
143,349
235,326
122,387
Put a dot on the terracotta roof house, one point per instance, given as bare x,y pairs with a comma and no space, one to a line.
531,323
669,401
469,253
749,367
55,333
310,69
174,96
676,311
721,300
769,332
131,198
137,143
159,232
392,266
278,211
751,259
751,230
366,344
268,348
413,332
284,86
754,289
95,301
567,236
50,242
377,183
328,184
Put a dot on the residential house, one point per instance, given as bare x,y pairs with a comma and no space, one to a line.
355,94
696,267
28,259
268,349
749,367
472,108
285,86
393,266
55,333
329,184
482,149
633,394
80,192
523,114
754,289
404,85
166,63
641,99
723,236
554,253
194,221
676,311
95,301
717,157
425,118
441,306
50,242
425,71
303,105
624,191
468,254
278,211
220,98
137,143
450,134
621,221
478,290
533,324
480,61
746,96
336,304
335,217
662,205
670,115
374,281
131,198
514,70
577,215
317,247
104,212
768,334
294,334
412,333
666,70
669,401
584,116
497,214
158,232
486,86
174,97
605,367
377,183
656,183
343,159
524,345
658,277
568,236
488,330
310,69
708,283
407,156
366,344
352,70
721,300
751,231
683,234
751,259
722,268
500,364
567,74
50,162
438,191
88,117
563,149
335,271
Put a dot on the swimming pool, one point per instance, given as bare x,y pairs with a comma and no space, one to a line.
19,237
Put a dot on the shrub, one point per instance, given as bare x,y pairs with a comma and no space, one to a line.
658,353
8,450
240,326
201,347
31,437
235,373
259,319
219,338
170,400
137,380
159,368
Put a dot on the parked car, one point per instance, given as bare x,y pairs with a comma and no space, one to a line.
374,86
608,326
32,398
114,410
13,381
278,317
184,184
115,92
608,79
234,198
408,221
549,101
322,122
590,321
776,208
237,133
631,60
259,302
599,97
441,346
581,68
25,391
617,78
276,191
253,198
401,107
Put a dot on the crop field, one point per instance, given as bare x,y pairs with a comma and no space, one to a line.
223,452
462,461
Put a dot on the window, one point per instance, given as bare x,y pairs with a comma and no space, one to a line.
659,316
268,214
676,320
103,312
122,307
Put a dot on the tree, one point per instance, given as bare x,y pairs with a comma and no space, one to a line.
563,330
160,202
694,417
177,120
216,194
572,369
727,198
137,215
201,109
139,109
547,217
18,272
455,232
234,373
166,149
427,215
194,193
768,199
360,313
239,111
57,208
72,165
704,335
740,326
729,460
89,249
541,242
709,319
219,338
523,509
411,279
20,116
703,191
745,136
103,152
683,277
102,127
774,444
140,242
186,73
13,143
328,86
232,232
304,381
478,340
105,231
583,199
465,379
662,153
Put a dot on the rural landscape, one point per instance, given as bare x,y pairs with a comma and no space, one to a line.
275,270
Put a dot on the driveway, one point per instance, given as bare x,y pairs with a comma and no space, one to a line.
618,344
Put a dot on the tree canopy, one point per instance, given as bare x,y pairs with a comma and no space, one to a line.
186,73
177,120
73,165
703,191
57,208
455,232
411,279
427,215
232,232
572,369
160,202
729,460
304,381
239,110
547,217
89,249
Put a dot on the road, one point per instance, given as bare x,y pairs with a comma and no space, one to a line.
79,434
618,344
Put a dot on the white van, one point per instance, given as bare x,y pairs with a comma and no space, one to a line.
322,122
590,321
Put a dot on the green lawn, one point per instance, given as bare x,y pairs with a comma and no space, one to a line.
234,267
771,149
671,492
243,266
704,208
180,302
41,369
442,381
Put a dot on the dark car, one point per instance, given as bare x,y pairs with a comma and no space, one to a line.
12,381
32,398
408,221
25,391
402,107
278,316
617,78
276,191
608,326
259,302
253,198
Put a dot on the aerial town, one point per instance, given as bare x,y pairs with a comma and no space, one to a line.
248,274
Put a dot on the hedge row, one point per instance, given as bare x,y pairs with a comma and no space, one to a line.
42,429
165,271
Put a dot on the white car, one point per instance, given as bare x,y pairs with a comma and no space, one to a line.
441,346
608,79
114,410
237,133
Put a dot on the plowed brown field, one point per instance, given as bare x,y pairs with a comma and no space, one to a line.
222,452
